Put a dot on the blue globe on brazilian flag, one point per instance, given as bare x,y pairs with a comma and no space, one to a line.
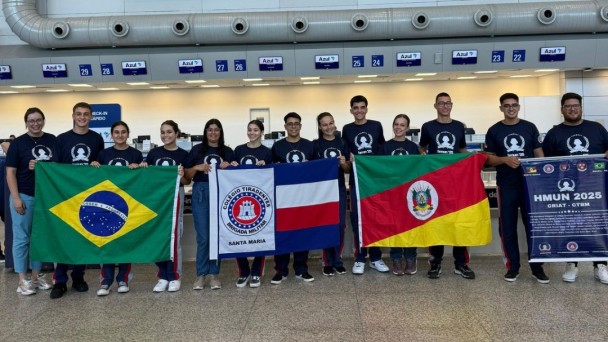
111,214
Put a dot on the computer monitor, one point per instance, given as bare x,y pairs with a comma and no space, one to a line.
469,131
196,138
413,131
141,138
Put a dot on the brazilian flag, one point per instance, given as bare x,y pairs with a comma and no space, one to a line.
111,214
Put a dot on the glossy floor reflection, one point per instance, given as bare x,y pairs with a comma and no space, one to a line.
371,307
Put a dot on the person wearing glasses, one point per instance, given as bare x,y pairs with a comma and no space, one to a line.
593,139
292,149
21,159
508,141
445,135
362,137
212,152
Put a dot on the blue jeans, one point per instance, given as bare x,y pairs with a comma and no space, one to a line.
108,270
172,269
200,215
332,256
408,252
22,231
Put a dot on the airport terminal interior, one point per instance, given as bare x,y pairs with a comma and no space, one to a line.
145,62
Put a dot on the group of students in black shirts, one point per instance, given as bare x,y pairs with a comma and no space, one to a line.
508,141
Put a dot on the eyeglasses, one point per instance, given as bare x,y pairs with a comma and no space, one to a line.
293,124
573,106
213,130
37,121
511,106
444,104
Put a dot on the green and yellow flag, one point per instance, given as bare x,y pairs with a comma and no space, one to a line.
419,201
111,214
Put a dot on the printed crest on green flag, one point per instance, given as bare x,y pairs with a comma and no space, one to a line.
111,214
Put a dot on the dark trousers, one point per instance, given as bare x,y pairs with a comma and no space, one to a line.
300,259
257,267
61,273
461,254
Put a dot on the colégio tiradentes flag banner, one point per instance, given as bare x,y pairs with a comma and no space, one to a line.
110,214
419,201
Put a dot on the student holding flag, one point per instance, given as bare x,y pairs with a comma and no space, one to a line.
255,154
507,142
170,271
78,146
212,152
26,150
292,149
398,146
121,154
328,145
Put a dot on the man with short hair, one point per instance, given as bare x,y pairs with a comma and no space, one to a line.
78,146
362,137
508,141
292,149
556,143
445,135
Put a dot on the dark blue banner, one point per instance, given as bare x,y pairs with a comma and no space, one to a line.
567,206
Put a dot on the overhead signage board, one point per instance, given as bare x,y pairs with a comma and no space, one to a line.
358,61
134,68
270,63
107,69
409,59
377,61
54,70
221,65
498,56
85,70
553,54
519,56
240,65
190,66
327,62
464,57
5,72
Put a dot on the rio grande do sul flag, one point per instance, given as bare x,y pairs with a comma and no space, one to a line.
419,201
277,209
111,214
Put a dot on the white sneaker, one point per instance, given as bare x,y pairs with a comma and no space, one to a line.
601,273
104,290
379,266
161,286
174,285
215,283
26,288
570,273
41,283
123,287
199,283
358,267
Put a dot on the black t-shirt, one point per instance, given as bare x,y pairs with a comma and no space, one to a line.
397,148
331,149
589,137
115,157
442,138
284,151
519,140
363,139
78,149
212,156
250,156
23,149
160,156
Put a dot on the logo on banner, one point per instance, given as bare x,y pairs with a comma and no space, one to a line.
564,167
565,184
544,247
581,166
246,210
423,200
548,168
531,169
599,166
572,246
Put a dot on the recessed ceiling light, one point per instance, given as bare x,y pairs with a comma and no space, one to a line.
81,85
260,84
364,81
467,77
426,74
367,76
313,82
486,72
252,79
107,89
138,83
310,78
56,90
159,87
195,81
9,92
520,76
210,86
23,86
546,70
414,79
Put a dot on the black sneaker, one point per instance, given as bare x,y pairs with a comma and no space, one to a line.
340,270
541,277
328,271
277,279
511,276
58,291
305,276
80,286
435,271
464,271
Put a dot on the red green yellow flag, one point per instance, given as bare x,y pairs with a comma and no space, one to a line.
422,200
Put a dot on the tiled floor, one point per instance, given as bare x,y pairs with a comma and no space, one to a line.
371,307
